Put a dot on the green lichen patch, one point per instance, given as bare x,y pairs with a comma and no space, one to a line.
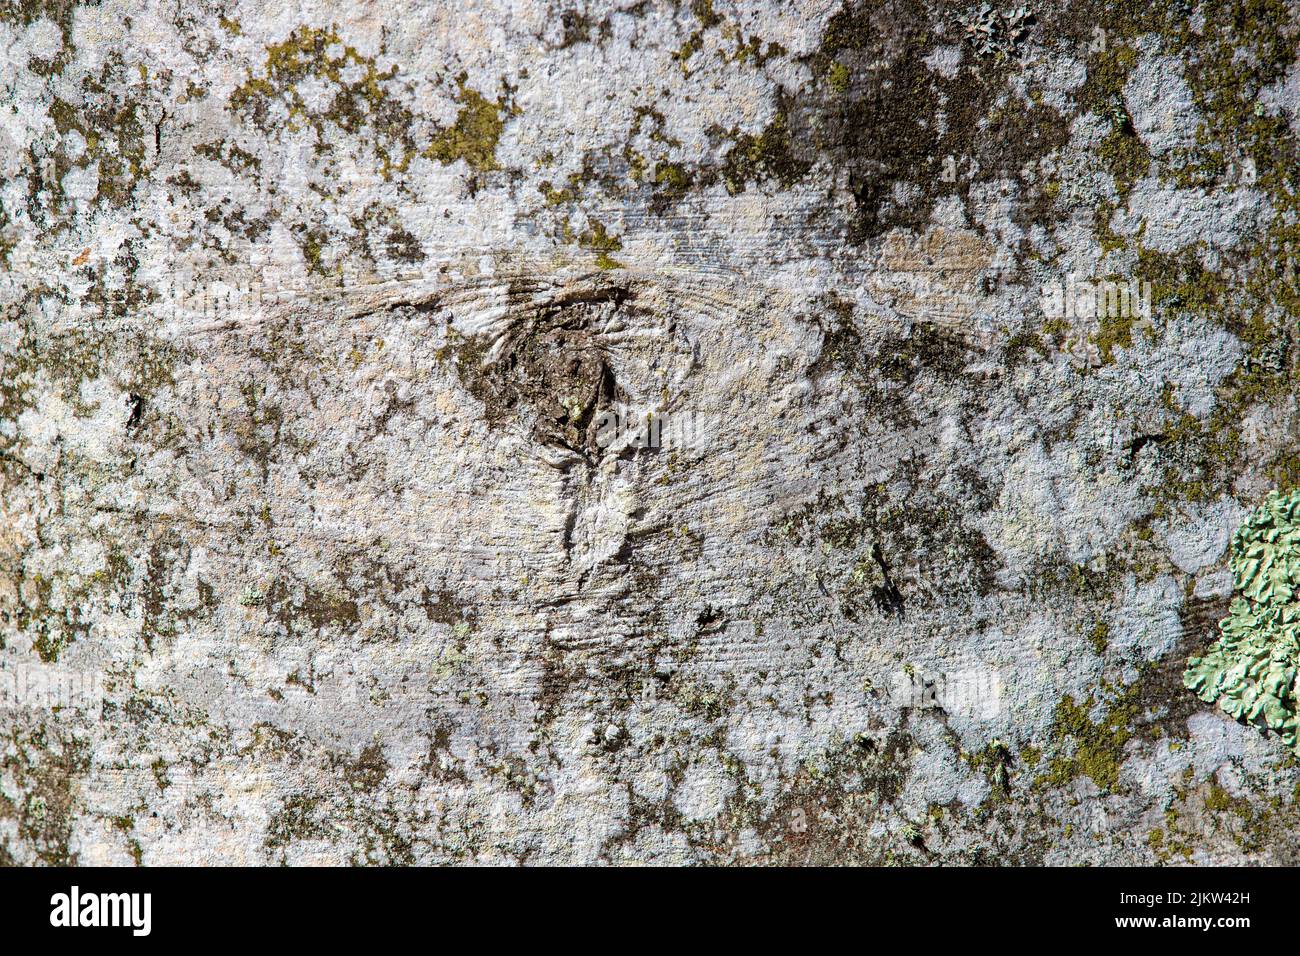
1266,551
1250,672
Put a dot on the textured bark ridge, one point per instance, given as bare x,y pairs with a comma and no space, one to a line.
716,433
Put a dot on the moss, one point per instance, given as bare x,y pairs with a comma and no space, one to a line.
1218,799
672,175
1201,460
160,776
1179,281
61,13
754,51
230,155
367,771
358,104
473,137
996,762
838,77
297,819
1149,709
298,606
304,53
108,121
1019,345
1208,816
125,825
826,812
876,125
559,196
1234,133
1225,85
55,610
769,155
1121,150
1099,637
636,164
877,552
312,243
1114,331
596,237
685,52
1092,749
1125,156
701,699
1108,71
704,12
53,619
1284,469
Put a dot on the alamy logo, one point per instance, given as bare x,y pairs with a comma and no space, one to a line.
657,430
102,909
970,691
1100,298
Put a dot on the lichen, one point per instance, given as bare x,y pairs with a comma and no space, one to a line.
1250,672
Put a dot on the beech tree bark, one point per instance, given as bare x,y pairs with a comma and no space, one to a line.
728,432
